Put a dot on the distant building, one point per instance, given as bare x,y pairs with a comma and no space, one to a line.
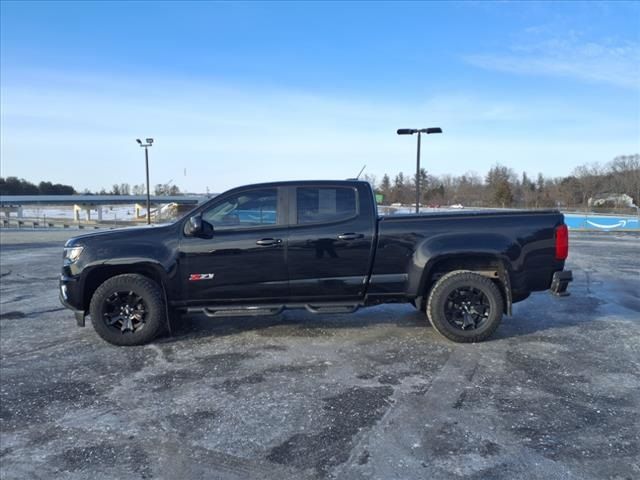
610,200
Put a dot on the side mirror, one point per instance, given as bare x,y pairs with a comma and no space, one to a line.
194,226
197,227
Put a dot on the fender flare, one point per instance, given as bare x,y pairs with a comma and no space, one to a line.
451,247
120,266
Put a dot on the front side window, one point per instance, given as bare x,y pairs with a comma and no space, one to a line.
325,204
253,208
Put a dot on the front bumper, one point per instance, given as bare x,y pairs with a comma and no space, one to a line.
67,294
560,282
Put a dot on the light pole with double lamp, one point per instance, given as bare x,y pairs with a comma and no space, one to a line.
419,131
146,145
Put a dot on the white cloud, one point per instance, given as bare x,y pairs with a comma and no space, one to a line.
605,62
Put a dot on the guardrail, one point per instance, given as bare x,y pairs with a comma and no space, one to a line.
55,224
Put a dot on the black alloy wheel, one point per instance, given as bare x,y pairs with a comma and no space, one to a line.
125,312
467,308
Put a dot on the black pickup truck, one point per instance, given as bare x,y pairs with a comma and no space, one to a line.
319,245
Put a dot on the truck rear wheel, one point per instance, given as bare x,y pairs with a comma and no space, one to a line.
465,306
128,310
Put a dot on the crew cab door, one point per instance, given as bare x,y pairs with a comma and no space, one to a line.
331,234
244,260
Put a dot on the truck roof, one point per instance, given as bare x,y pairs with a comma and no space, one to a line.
349,182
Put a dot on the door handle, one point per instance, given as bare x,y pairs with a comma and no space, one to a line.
265,242
350,236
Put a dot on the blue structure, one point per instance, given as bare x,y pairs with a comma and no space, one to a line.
604,223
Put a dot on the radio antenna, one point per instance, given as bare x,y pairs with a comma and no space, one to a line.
361,170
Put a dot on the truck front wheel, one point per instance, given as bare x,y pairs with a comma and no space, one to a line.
128,310
465,306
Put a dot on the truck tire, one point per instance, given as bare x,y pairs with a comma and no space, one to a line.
465,307
128,310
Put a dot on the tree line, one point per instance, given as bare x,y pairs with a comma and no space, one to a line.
503,187
138,189
500,187
20,186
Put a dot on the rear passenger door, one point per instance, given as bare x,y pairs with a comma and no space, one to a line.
331,233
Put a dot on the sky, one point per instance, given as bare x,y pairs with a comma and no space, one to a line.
237,93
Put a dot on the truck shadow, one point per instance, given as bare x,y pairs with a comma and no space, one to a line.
541,312
296,323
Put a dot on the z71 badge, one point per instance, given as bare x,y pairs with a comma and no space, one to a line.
194,277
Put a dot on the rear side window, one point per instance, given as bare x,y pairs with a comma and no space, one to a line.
320,204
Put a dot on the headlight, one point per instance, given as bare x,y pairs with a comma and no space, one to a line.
72,253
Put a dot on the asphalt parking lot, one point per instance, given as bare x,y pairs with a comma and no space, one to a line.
372,395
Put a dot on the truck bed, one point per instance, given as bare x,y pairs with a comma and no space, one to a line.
520,241
469,212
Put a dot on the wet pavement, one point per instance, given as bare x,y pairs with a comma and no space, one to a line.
373,395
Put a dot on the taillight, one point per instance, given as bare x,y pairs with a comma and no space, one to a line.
562,242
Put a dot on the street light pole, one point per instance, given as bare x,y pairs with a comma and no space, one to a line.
419,131
418,177
149,142
146,166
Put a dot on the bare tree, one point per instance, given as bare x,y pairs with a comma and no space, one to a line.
625,173
589,179
166,189
371,179
138,189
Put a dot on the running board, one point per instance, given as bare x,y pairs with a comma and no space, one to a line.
265,310
241,311
331,308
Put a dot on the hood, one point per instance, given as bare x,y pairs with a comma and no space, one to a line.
119,233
